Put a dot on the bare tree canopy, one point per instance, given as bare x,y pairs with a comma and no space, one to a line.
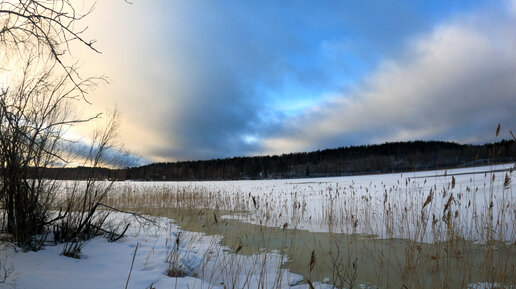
38,94
43,27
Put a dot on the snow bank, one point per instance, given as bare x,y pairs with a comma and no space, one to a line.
107,265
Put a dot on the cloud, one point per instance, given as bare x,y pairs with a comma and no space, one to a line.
185,78
455,83
202,79
82,155
512,6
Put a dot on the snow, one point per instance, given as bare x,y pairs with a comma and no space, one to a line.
107,265
359,204
303,204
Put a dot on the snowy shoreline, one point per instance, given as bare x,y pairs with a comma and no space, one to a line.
208,264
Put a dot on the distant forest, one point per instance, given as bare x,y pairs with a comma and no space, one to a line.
354,160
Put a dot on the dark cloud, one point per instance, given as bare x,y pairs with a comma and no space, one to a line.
80,153
455,83
205,79
224,56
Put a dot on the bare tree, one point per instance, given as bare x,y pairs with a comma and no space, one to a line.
86,200
38,94
48,26
34,115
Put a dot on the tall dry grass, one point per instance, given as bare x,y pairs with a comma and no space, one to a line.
424,233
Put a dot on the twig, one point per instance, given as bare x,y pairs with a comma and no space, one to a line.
132,264
119,236
127,212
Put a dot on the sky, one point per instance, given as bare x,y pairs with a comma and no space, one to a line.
213,79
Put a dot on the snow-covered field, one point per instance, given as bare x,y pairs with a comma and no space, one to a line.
387,206
479,204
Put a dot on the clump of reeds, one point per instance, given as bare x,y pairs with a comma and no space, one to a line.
437,232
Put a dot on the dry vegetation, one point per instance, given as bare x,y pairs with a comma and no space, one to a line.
426,234
408,234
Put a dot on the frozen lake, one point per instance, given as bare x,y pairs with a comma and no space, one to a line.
410,205
432,229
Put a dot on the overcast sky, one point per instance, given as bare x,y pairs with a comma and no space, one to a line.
213,79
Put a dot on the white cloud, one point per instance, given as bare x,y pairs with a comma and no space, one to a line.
181,79
512,6
455,83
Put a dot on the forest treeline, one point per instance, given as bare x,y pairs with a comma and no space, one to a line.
354,160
